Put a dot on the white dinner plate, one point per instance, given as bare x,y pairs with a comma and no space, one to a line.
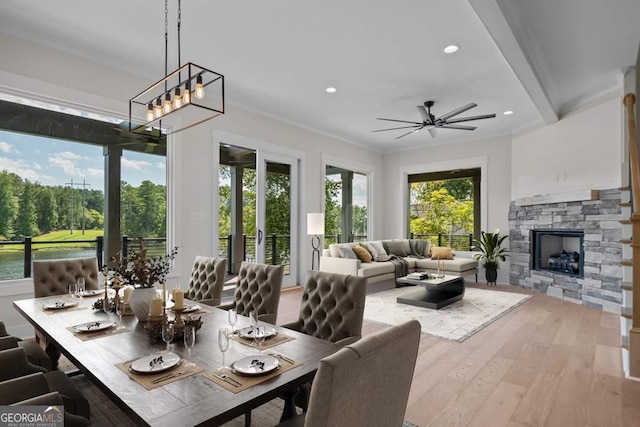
93,293
94,326
260,364
191,308
156,362
248,332
58,305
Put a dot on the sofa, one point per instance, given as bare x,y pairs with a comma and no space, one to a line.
338,259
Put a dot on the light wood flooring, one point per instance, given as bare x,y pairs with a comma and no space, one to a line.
546,363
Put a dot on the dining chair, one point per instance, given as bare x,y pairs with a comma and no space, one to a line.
207,280
366,383
52,277
15,364
35,353
257,288
33,389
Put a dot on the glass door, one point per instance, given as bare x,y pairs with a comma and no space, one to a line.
277,213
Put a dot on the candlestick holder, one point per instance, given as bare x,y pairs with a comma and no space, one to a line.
178,322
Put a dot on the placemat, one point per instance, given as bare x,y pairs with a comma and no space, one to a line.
86,336
236,383
278,339
149,382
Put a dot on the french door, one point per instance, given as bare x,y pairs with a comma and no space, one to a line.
277,212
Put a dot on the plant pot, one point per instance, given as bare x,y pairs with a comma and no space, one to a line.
139,301
491,276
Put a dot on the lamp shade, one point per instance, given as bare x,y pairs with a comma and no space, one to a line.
315,223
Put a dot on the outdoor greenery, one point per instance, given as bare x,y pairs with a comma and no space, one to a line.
441,207
33,209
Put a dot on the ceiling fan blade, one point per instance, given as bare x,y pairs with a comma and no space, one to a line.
466,119
401,121
459,127
409,133
402,127
433,132
456,112
425,115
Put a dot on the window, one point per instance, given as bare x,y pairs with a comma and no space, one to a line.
345,206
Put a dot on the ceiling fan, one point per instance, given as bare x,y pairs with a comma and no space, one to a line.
432,122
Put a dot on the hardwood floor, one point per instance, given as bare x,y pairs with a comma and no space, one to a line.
546,363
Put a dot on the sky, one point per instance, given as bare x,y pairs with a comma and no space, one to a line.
55,162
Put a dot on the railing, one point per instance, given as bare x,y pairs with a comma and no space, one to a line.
458,242
277,249
634,166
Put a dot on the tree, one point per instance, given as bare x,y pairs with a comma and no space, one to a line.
332,208
26,224
8,204
46,209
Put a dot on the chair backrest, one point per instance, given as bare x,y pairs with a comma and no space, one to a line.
332,306
207,280
366,383
52,277
258,288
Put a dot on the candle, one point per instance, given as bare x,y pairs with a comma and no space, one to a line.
156,307
173,293
178,297
127,292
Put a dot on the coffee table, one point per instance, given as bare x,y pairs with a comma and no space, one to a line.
434,293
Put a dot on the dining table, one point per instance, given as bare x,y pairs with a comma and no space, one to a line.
191,400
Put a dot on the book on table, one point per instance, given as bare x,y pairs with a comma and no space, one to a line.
419,275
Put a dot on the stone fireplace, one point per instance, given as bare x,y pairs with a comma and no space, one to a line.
569,250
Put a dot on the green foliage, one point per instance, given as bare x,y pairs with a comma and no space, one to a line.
491,252
26,223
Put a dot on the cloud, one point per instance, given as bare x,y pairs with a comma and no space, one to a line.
22,169
71,156
95,172
137,165
161,165
7,148
68,166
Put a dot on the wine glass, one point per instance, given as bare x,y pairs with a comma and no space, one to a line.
167,333
119,308
73,289
233,318
81,286
223,343
106,306
189,339
259,335
253,321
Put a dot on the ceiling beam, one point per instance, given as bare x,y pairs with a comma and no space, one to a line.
496,24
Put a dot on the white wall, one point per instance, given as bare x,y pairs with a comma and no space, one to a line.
580,152
492,155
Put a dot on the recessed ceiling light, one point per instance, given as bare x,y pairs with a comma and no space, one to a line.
451,48
508,113
331,89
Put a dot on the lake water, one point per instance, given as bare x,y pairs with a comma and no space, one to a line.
12,263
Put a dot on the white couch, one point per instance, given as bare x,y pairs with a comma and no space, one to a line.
462,265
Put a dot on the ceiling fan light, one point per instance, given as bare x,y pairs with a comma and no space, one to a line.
433,132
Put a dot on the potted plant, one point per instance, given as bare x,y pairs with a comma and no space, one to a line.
491,253
142,272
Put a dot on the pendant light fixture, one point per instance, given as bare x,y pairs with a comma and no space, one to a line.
190,86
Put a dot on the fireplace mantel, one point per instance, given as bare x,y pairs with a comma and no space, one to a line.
566,196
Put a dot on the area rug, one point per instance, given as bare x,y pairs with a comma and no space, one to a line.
457,321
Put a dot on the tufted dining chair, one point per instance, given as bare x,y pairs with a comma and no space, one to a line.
52,277
257,288
332,307
35,353
366,383
207,280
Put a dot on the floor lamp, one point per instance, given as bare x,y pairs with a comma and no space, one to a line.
315,227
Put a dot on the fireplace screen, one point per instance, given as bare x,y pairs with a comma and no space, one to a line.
559,251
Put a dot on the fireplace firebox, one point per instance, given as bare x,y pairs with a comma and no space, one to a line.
558,251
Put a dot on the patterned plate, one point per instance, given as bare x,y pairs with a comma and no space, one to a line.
260,364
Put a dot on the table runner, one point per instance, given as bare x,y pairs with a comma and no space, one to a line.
236,383
278,339
151,381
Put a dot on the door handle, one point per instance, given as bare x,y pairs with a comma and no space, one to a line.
259,236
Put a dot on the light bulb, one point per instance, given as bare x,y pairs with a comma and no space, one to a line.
177,99
150,115
186,98
199,87
157,110
167,103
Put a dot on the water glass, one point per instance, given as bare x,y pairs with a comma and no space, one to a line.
233,318
167,333
223,343
81,286
73,289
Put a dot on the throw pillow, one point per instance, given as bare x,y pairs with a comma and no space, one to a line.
441,252
377,245
347,252
362,253
395,247
372,250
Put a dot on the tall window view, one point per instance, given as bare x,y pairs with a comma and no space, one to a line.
52,191
345,206
444,207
